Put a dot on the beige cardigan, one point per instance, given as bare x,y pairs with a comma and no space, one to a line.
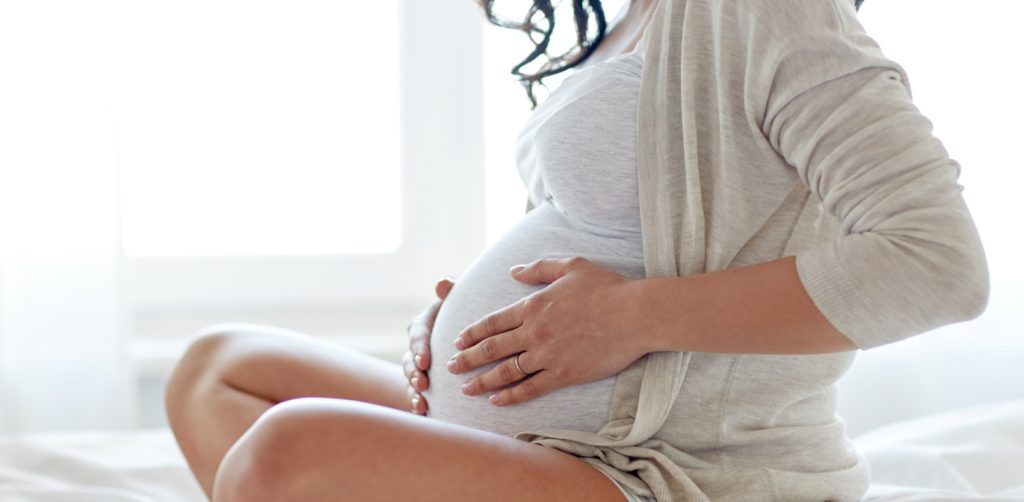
768,129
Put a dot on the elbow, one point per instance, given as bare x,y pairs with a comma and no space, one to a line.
976,292
948,279
970,293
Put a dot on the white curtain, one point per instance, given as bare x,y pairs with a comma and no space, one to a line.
62,319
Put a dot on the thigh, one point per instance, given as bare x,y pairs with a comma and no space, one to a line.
279,364
329,449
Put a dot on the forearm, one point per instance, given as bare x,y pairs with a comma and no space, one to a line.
759,309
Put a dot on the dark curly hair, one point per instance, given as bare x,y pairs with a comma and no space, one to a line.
585,45
540,31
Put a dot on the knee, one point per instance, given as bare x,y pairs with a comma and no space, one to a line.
270,460
203,361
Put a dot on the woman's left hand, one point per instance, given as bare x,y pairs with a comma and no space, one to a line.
580,328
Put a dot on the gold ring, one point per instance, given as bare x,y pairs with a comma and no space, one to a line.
518,367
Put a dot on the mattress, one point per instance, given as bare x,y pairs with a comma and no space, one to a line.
972,454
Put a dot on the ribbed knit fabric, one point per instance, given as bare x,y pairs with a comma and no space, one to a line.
764,130
577,157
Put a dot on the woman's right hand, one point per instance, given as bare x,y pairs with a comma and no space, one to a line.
417,359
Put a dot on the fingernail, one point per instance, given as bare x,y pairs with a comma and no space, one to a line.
415,382
466,387
459,342
415,401
452,365
495,398
419,360
516,269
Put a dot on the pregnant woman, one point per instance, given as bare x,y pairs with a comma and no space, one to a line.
726,201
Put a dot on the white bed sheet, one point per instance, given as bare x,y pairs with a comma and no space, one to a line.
969,454
974,454
130,466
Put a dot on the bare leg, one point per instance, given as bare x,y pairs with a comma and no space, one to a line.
335,449
233,372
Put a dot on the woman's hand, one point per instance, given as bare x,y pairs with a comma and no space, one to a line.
579,329
417,359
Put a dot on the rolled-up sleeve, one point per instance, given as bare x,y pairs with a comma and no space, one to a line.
910,258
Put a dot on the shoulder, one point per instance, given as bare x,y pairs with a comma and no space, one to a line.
773,26
794,16
764,31
766,24
784,46
757,55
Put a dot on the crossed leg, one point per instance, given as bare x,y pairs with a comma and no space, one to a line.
264,413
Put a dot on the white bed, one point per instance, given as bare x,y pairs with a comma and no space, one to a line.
967,455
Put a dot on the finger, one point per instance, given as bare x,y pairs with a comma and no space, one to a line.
419,338
497,377
408,367
421,356
416,324
422,326
546,270
487,351
417,379
422,360
500,321
431,313
417,403
444,286
530,388
411,397
423,317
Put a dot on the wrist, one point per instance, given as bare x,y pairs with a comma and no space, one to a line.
639,306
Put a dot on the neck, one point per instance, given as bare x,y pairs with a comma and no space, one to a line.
624,31
641,6
635,10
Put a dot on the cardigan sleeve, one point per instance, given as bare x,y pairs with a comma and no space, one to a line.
909,258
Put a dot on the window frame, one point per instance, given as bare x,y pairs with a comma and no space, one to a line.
442,193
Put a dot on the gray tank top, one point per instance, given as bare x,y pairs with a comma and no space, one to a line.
577,157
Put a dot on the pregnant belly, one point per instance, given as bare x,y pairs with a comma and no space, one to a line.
485,287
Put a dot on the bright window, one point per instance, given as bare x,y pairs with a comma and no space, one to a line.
316,159
257,128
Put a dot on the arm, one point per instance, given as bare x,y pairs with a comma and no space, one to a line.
838,112
591,322
722,312
909,260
